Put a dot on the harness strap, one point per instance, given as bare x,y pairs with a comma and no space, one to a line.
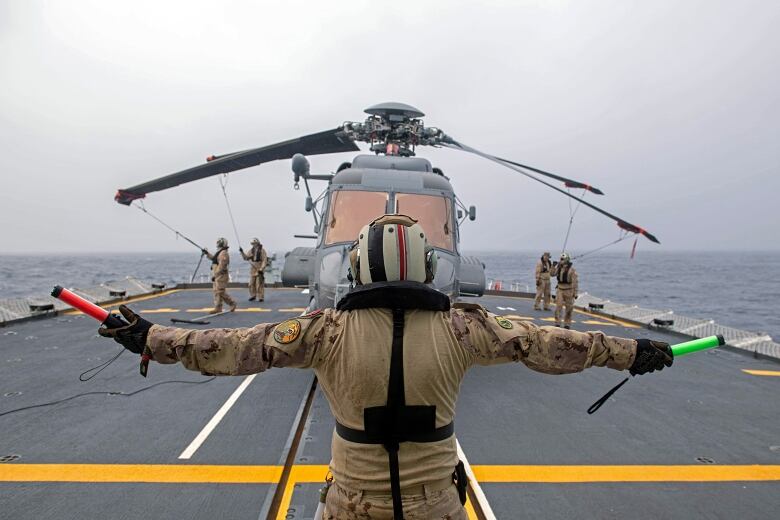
396,399
215,260
362,437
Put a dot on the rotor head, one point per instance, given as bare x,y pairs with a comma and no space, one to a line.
393,129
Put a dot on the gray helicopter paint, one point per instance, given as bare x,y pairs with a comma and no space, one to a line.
383,162
394,108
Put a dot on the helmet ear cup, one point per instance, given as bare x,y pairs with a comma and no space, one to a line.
354,264
431,262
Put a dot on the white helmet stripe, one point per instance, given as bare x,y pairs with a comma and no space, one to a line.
390,250
415,251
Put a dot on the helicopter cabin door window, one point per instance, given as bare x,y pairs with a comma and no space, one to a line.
434,214
350,211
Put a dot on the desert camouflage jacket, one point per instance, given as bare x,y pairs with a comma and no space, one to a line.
350,353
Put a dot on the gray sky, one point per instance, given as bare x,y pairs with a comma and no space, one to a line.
670,107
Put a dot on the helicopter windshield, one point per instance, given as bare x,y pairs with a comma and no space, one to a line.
432,212
350,211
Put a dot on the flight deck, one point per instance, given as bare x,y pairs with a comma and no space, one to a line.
698,440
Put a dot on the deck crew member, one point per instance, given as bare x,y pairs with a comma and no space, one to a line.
258,260
220,263
390,360
565,290
543,269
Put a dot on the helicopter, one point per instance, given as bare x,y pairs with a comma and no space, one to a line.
389,179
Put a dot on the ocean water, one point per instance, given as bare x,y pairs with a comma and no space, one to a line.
738,289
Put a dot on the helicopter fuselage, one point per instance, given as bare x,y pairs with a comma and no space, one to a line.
372,186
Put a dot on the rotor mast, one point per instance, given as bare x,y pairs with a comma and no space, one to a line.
393,129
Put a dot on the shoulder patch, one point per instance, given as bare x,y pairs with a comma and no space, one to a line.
312,314
503,322
287,331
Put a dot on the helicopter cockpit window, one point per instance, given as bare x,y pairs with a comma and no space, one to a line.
350,211
434,214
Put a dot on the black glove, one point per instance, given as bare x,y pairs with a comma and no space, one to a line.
205,252
651,356
241,249
132,336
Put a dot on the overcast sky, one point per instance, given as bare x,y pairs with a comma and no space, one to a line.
670,107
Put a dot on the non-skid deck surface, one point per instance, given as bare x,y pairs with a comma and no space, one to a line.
699,440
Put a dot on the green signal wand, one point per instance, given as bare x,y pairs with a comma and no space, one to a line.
680,349
695,345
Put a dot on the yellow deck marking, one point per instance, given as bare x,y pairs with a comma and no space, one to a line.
140,473
73,312
202,309
612,320
762,372
253,309
293,309
627,473
300,474
470,510
521,318
552,319
155,311
228,474
190,474
597,322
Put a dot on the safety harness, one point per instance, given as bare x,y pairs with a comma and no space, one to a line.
564,275
397,422
546,264
215,259
257,254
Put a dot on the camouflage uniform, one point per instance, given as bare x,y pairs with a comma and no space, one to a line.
349,351
565,293
220,278
543,269
347,504
258,260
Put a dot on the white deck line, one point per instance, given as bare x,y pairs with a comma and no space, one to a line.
190,450
475,487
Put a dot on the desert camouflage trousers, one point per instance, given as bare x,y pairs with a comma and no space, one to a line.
343,504
257,286
220,293
563,298
542,291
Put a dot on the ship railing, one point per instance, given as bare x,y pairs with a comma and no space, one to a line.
666,319
495,284
14,309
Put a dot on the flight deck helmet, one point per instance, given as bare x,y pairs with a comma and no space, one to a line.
392,248
565,258
255,241
222,242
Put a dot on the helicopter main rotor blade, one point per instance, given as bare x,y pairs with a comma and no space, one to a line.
570,183
329,141
622,224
